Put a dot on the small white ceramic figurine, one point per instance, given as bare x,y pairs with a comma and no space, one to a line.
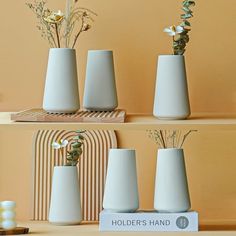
7,220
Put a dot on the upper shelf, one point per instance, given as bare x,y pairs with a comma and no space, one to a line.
133,122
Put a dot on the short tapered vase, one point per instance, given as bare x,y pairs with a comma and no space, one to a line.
121,188
65,205
171,100
171,185
61,94
100,86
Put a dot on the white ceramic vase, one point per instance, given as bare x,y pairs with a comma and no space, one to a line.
171,185
100,87
171,95
65,205
121,188
61,93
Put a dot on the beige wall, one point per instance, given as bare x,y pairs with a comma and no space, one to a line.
133,29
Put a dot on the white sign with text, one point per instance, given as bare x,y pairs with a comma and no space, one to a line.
149,221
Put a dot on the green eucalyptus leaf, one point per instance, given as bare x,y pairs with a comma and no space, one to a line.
186,23
80,131
69,158
188,3
75,145
187,10
191,3
186,16
81,137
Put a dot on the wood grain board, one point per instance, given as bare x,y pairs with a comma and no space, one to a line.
91,168
39,115
16,231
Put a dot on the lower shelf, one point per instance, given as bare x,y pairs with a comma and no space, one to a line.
87,229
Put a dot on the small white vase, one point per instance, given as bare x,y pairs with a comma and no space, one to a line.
65,205
171,95
171,185
61,93
100,87
121,188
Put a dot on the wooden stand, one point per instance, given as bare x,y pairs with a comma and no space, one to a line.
39,115
16,231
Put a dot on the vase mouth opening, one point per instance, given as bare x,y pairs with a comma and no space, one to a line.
61,167
65,49
122,149
100,50
170,55
169,149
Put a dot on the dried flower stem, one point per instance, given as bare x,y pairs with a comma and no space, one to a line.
57,34
78,34
169,138
61,154
162,138
185,136
57,28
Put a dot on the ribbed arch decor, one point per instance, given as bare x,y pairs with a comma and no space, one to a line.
92,170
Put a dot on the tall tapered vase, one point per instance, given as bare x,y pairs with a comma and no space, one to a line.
171,100
61,93
121,188
100,86
65,206
171,185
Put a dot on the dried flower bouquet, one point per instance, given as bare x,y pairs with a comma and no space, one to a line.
60,28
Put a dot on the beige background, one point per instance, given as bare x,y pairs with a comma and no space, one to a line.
133,29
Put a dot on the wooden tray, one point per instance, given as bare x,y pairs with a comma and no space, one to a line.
16,231
39,115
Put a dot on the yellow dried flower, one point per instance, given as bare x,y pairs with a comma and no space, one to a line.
86,27
55,17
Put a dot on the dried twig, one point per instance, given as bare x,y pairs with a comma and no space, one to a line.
169,138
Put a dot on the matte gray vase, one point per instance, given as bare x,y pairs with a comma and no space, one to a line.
121,187
61,93
100,87
171,100
171,185
65,205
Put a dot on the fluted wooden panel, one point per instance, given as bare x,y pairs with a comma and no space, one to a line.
92,170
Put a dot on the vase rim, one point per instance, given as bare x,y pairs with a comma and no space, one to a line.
100,50
122,149
170,55
61,167
169,149
69,49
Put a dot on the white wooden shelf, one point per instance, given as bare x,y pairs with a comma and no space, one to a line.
133,122
92,229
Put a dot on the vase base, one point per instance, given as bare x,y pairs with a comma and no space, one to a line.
172,117
65,223
171,211
100,109
60,112
120,211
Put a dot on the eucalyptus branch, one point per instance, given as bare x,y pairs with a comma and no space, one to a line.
74,154
180,43
76,150
179,33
